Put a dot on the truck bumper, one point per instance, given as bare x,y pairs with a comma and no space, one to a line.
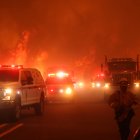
6,105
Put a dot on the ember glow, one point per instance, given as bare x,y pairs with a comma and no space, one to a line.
68,32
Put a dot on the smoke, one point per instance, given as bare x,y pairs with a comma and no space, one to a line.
20,52
8,38
64,32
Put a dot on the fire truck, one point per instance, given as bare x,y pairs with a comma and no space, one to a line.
117,68
60,85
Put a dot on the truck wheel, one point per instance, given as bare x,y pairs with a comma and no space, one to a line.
40,107
16,111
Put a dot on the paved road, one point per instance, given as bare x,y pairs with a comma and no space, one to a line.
89,118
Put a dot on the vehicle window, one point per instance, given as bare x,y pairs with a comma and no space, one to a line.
9,75
23,76
114,66
26,77
37,76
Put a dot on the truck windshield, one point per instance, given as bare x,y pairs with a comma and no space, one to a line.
119,66
9,75
58,81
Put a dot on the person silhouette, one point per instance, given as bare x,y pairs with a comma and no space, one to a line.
122,101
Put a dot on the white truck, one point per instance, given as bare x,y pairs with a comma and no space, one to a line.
21,88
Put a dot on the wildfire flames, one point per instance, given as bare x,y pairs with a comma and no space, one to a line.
64,32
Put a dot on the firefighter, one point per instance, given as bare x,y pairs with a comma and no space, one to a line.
122,101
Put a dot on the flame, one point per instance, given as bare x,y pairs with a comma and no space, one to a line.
41,63
21,55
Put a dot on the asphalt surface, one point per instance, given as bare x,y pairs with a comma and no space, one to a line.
89,118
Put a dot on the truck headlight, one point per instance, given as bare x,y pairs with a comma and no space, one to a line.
106,85
98,85
61,90
68,91
8,91
137,85
81,84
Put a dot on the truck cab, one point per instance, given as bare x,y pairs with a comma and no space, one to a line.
21,88
118,68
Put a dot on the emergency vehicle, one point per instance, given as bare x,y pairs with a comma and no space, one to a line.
21,88
98,82
118,68
60,86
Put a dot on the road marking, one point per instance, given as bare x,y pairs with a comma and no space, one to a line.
10,130
3,125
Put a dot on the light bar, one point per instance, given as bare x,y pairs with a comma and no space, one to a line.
11,66
51,74
61,74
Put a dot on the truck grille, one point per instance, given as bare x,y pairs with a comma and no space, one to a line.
117,77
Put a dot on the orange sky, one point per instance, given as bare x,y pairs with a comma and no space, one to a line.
65,31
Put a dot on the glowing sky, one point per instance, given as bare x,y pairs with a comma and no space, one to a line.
64,31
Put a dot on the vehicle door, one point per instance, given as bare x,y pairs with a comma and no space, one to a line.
30,88
38,80
24,88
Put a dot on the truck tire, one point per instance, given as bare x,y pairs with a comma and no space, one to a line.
40,107
16,111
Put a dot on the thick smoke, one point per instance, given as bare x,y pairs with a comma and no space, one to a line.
68,31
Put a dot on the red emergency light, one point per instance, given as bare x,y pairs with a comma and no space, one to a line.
11,66
59,74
